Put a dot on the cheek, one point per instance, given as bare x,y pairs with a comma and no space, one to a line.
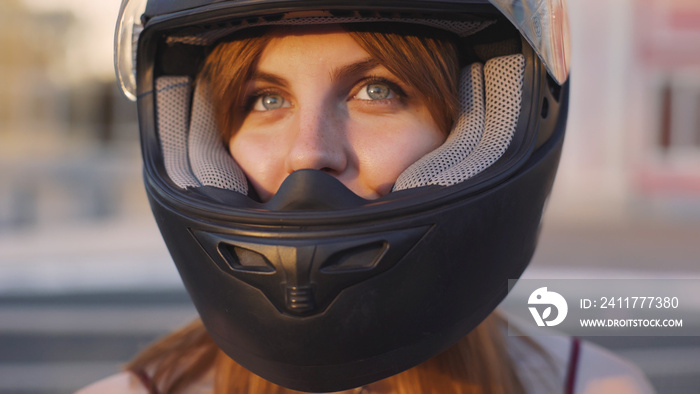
388,147
256,157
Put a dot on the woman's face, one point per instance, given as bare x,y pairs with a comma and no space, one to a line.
317,100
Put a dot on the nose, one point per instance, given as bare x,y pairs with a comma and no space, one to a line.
318,142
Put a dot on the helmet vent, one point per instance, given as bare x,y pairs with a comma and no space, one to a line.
302,276
360,258
300,299
241,259
544,112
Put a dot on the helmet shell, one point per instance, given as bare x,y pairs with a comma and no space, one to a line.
321,296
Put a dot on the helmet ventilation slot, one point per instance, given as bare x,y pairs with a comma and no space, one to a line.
554,88
544,112
241,259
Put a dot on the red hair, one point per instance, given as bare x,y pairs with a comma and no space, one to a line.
423,58
479,363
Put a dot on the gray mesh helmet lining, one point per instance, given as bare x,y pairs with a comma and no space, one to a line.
462,140
211,162
192,149
491,97
478,139
172,109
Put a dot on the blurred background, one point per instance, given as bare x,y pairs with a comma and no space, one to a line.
85,280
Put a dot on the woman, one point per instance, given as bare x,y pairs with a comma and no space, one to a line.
347,234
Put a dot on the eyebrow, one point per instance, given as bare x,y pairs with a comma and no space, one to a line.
339,73
267,77
354,68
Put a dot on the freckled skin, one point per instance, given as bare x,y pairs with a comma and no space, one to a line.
327,120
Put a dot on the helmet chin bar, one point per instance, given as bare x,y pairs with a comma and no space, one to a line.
302,278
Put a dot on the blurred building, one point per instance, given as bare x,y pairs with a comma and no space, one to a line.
633,144
68,146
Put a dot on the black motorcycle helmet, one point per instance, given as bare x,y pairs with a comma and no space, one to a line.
318,289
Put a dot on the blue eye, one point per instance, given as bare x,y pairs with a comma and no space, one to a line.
267,102
375,91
